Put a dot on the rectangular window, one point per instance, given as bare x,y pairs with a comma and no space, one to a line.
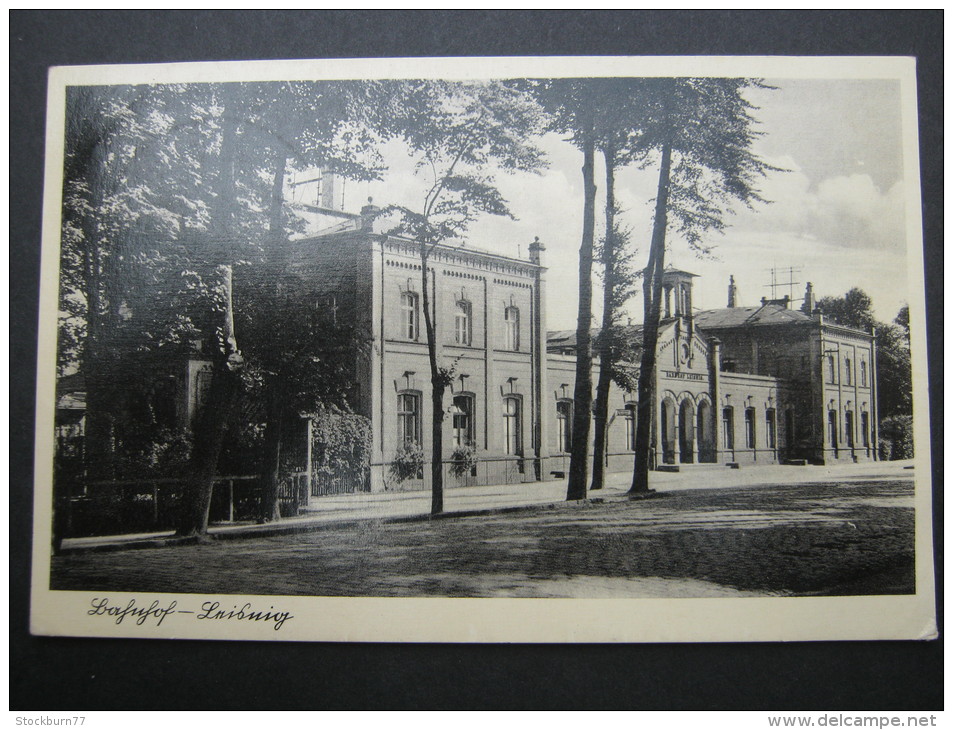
512,438
728,427
848,376
771,428
849,428
749,428
409,315
564,425
832,428
462,328
511,322
408,418
865,428
831,369
863,374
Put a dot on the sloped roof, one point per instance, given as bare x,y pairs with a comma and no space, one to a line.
672,270
560,339
761,315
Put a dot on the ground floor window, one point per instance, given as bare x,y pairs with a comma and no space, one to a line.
512,438
749,428
832,427
865,428
462,420
728,427
564,425
408,418
771,428
849,428
630,416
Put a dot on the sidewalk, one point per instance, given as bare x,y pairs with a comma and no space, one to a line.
463,501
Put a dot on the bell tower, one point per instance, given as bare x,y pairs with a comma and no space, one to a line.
677,286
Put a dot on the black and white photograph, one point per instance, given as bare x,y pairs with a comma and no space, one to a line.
325,344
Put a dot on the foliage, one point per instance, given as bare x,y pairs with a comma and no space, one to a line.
408,462
463,460
896,438
341,441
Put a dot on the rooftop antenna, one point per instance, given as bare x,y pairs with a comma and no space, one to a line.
776,282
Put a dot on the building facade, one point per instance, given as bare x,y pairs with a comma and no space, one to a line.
740,385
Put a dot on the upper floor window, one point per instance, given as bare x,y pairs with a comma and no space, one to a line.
848,376
511,322
564,425
409,315
463,332
831,369
863,373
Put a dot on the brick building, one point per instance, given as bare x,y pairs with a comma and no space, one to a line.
743,384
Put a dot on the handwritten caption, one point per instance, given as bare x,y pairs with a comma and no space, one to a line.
153,614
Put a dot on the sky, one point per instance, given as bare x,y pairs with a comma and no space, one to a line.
836,216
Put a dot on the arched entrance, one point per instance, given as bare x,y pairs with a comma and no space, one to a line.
667,430
686,431
705,433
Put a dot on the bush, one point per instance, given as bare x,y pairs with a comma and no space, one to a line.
341,442
408,462
896,438
463,461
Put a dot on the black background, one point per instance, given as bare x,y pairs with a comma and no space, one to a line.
90,674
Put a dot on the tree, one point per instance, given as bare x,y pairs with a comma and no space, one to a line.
703,131
459,131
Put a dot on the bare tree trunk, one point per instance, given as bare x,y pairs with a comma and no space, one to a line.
601,409
582,395
275,410
438,386
652,296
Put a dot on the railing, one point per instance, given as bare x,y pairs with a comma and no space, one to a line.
500,470
340,482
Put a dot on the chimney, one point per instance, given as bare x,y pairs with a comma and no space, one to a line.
732,292
369,214
535,251
809,302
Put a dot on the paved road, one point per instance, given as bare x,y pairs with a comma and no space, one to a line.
852,536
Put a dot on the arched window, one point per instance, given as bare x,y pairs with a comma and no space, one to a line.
728,426
771,428
848,376
511,323
462,323
408,418
831,369
409,315
462,415
749,428
863,373
630,421
512,438
564,425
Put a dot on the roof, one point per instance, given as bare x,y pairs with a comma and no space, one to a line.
761,315
566,339
672,270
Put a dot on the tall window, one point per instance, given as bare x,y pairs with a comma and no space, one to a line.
847,372
408,418
849,428
771,428
728,427
564,425
749,428
462,420
511,323
863,373
832,427
831,369
462,327
409,315
512,438
630,416
865,428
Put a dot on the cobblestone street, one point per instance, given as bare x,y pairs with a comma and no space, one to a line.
852,537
